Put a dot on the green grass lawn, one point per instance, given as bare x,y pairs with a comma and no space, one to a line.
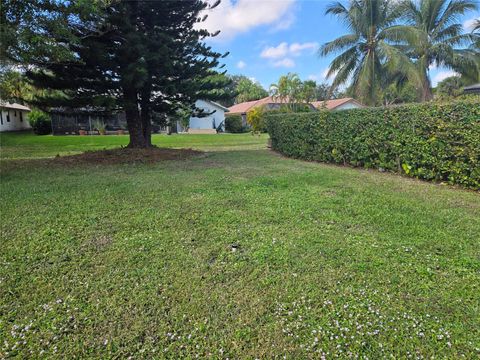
27,146
137,260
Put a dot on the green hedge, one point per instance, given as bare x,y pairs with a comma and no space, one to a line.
233,124
432,141
40,122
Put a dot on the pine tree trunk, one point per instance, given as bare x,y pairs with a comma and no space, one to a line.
146,115
146,127
134,122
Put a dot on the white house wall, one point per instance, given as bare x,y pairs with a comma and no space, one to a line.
18,120
211,121
348,105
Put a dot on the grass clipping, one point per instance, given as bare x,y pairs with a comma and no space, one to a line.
126,156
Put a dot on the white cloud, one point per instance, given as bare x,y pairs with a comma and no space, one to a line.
468,24
443,75
287,62
235,17
322,77
241,64
285,23
275,52
297,48
283,49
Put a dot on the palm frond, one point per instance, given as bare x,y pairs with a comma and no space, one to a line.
398,62
448,32
342,59
336,8
462,39
452,12
401,34
344,73
338,44
476,25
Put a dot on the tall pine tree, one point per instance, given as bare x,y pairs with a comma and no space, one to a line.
138,55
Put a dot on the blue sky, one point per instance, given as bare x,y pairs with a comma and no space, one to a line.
268,38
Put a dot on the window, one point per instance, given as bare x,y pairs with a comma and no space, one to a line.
21,115
8,116
1,117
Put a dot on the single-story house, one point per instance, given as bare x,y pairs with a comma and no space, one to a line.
269,102
67,121
13,117
472,89
273,103
338,104
209,123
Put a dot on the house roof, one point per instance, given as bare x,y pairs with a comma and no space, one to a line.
333,104
14,106
248,105
218,105
472,89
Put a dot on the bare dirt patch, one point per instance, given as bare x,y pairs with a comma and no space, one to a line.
125,155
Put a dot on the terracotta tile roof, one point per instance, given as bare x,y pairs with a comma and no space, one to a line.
246,106
333,104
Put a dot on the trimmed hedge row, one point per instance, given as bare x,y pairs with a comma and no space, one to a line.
233,124
431,141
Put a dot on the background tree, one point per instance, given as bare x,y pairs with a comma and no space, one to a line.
366,53
450,87
434,36
308,91
14,87
323,92
399,93
288,90
248,90
143,57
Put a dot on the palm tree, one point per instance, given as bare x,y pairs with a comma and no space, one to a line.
287,90
435,35
476,26
367,53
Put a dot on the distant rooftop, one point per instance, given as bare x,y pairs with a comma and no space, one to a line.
14,106
248,105
472,89
333,104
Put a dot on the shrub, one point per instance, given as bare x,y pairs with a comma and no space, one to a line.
40,122
100,126
431,141
256,119
233,123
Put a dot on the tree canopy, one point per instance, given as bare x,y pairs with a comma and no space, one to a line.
247,89
140,56
390,42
